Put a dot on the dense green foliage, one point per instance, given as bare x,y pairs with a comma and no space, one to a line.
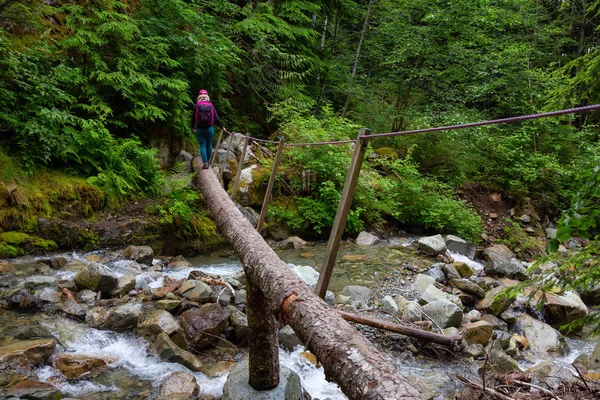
92,87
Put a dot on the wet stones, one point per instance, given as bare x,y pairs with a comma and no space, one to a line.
75,366
542,337
432,245
123,317
156,321
140,254
96,277
202,326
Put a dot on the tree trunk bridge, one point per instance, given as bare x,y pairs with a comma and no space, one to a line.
277,295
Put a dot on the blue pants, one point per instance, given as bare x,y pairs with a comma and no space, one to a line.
205,137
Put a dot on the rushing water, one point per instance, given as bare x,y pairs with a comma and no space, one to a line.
134,370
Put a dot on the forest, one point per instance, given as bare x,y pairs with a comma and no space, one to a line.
88,89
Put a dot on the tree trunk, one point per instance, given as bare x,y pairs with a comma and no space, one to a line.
263,363
348,359
360,42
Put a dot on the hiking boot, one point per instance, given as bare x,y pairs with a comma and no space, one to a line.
205,165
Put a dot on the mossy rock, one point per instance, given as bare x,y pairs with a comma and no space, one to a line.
386,152
13,244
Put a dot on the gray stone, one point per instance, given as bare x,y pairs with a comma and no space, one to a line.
411,311
308,274
330,298
473,316
551,233
460,246
433,294
240,297
511,269
87,296
140,254
562,309
388,305
195,290
359,295
494,303
96,277
125,285
156,321
38,281
293,242
467,286
474,350
72,307
48,295
432,245
237,387
421,283
444,313
167,350
123,317
451,272
185,158
288,338
478,332
436,273
366,239
502,362
542,337
202,326
96,317
239,322
179,385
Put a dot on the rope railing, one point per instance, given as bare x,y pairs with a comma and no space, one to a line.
492,122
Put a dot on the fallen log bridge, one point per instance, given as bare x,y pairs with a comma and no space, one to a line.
276,293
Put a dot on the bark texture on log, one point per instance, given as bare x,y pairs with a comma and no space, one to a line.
263,360
348,359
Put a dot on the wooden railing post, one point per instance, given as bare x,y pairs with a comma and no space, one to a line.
224,161
267,199
215,150
236,182
263,343
339,223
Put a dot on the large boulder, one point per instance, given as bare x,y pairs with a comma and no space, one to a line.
421,283
542,337
237,387
494,302
366,239
169,351
432,245
196,290
444,312
478,332
460,246
562,309
179,385
202,326
140,254
30,353
511,269
96,277
359,295
74,366
469,287
156,321
123,317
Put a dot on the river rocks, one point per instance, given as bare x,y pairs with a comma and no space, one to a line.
34,390
421,283
493,302
202,326
73,308
366,239
562,309
74,366
96,317
359,296
23,299
237,387
451,272
126,284
140,254
308,274
444,312
436,273
154,322
96,277
467,286
460,246
542,337
239,322
432,294
48,295
510,269
39,281
293,242
288,338
169,351
463,269
123,317
196,291
179,385
432,245
502,362
31,353
478,332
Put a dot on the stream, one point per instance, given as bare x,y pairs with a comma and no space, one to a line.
387,268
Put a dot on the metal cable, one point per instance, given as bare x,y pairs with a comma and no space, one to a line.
491,122
318,143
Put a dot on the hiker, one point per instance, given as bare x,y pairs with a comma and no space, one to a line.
203,119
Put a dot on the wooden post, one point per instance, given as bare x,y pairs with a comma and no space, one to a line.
211,157
267,199
263,342
225,158
236,182
339,223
